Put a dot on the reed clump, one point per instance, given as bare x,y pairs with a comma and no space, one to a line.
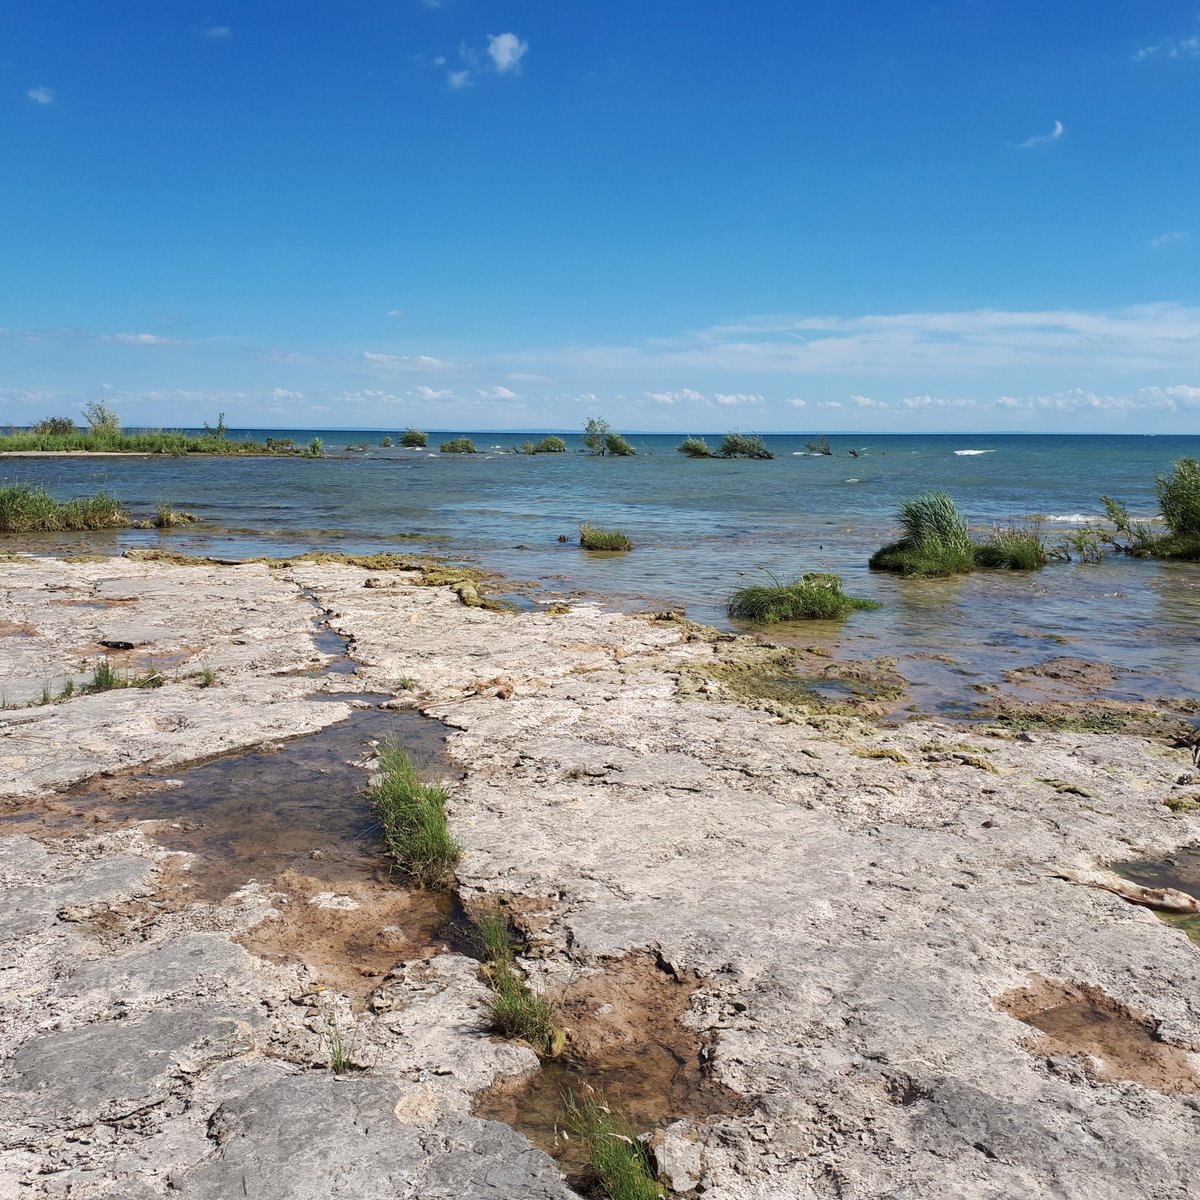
619,1165
1013,548
936,540
694,447
743,445
815,596
28,509
458,445
593,538
412,814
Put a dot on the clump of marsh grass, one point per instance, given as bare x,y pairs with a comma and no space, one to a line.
551,444
106,679
315,449
694,447
1013,548
386,444
458,445
414,439
166,516
936,540
28,509
743,445
815,596
1179,498
619,1165
593,538
412,814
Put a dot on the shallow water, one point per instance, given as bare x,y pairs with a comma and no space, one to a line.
703,528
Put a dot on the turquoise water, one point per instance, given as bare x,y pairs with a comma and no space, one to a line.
702,528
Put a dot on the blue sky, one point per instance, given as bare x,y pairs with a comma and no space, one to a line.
808,215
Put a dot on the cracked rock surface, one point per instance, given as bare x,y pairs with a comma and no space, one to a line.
855,902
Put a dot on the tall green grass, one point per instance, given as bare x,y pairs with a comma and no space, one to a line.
618,1163
27,509
1179,498
592,538
160,441
936,539
814,596
1013,548
412,814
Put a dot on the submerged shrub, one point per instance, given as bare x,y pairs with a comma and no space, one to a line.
414,439
412,814
617,447
819,445
694,447
550,444
458,445
815,596
744,445
591,538
599,438
166,516
386,444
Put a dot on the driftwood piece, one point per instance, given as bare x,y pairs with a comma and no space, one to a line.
1164,899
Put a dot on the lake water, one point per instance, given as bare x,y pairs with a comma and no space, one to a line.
703,528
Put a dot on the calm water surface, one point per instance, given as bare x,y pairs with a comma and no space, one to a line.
703,528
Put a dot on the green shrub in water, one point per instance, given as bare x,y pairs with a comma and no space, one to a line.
591,538
815,596
1179,498
414,439
744,445
458,445
694,447
936,540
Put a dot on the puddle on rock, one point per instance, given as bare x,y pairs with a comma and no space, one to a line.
328,642
628,1049
1076,1019
295,822
1181,871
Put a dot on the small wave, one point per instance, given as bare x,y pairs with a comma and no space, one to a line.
852,480
962,453
1068,518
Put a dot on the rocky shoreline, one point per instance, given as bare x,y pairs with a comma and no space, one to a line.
870,921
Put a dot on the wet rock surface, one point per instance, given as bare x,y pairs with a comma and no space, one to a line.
850,905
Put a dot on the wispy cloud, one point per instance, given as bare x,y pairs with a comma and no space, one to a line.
497,393
1043,139
1165,239
458,80
405,362
506,51
425,392
41,95
683,396
395,313
1188,47
729,399
1176,398
218,32
141,339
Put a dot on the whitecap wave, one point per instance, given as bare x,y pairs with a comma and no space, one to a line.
1068,518
962,453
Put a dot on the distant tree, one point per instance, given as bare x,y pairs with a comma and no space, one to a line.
101,419
221,428
594,433
415,439
56,427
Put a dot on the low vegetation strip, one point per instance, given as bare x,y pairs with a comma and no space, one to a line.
412,814
593,538
27,509
814,596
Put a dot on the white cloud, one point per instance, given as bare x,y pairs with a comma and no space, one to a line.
218,32
395,313
1170,48
284,394
731,398
867,402
496,393
41,95
683,396
142,339
423,392
506,51
796,402
1043,139
926,401
1082,400
459,79
404,362
1165,239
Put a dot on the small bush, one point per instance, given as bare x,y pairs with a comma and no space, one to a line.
315,449
818,445
694,447
591,538
1179,498
386,444
168,517
413,817
744,445
458,445
816,596
618,1163
615,446
281,445
26,509
414,439
56,427
102,421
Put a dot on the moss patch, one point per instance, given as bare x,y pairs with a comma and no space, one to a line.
1093,716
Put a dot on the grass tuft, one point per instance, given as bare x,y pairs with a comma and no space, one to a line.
744,445
936,540
27,509
1013,549
516,1012
816,596
618,1163
592,538
413,815
166,516
694,447
458,445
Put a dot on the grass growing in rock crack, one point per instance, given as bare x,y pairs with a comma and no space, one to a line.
814,596
619,1165
413,816
593,538
106,679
